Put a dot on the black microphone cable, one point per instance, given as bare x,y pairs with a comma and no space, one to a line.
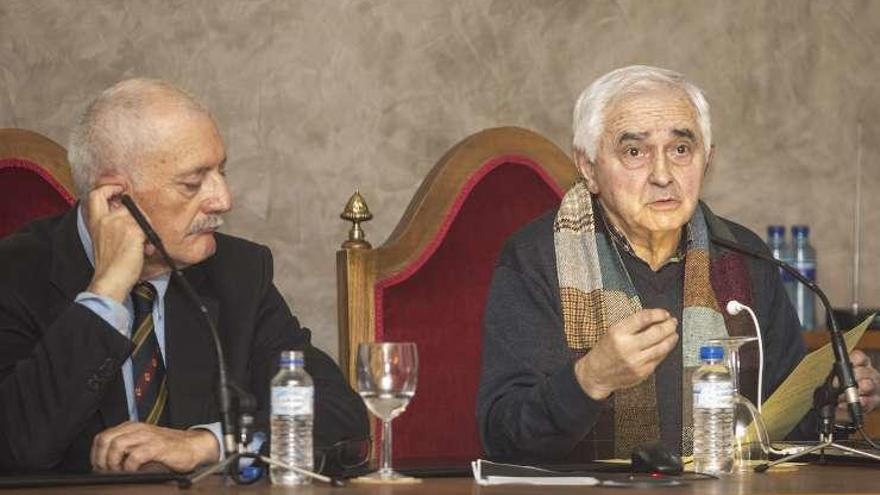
229,440
229,446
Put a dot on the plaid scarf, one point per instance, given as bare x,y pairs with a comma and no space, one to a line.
596,292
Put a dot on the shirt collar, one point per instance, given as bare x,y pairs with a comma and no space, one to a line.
160,282
621,241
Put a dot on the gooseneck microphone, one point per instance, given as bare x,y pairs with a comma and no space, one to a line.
842,362
229,444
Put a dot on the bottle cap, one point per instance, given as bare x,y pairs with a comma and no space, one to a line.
775,231
713,352
800,230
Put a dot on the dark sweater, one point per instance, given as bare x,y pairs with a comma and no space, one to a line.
530,405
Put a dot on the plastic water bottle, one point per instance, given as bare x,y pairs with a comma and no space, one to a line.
805,262
713,414
292,414
776,240
783,252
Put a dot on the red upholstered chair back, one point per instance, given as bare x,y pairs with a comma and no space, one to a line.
35,179
429,282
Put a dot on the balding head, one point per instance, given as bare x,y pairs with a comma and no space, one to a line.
122,127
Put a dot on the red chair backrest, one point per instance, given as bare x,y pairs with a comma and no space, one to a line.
428,282
34,179
438,302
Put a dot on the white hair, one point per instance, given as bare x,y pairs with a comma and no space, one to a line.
115,130
589,111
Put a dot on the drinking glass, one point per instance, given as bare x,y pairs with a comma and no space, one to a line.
387,373
751,441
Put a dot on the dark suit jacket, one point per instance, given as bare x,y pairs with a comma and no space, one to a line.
60,380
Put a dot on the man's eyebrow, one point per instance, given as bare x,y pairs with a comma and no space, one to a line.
685,133
633,136
204,169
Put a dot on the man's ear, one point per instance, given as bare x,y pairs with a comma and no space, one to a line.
115,179
587,169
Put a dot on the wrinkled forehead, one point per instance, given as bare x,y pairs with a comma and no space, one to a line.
180,142
657,112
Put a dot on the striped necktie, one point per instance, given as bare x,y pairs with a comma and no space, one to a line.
150,389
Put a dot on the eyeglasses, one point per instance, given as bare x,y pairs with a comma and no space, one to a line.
343,455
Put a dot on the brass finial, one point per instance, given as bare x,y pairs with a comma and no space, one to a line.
356,211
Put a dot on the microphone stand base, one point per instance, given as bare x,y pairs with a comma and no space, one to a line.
828,442
231,461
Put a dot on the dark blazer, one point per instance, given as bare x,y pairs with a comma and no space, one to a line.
60,380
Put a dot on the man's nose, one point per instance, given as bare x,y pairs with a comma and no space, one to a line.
660,172
220,199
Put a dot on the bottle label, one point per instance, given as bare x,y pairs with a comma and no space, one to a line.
807,270
292,401
810,273
713,395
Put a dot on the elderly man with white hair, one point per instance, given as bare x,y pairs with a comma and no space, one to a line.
104,362
596,310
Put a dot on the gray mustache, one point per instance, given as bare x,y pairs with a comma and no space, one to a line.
210,222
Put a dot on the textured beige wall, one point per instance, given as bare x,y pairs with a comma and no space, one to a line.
318,97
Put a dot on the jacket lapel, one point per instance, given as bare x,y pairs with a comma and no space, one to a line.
190,357
71,273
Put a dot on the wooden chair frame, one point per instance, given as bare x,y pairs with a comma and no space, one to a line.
360,268
40,150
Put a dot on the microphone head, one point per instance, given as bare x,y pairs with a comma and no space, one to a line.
734,307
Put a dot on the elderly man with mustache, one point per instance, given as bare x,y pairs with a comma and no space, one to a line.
597,310
104,363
